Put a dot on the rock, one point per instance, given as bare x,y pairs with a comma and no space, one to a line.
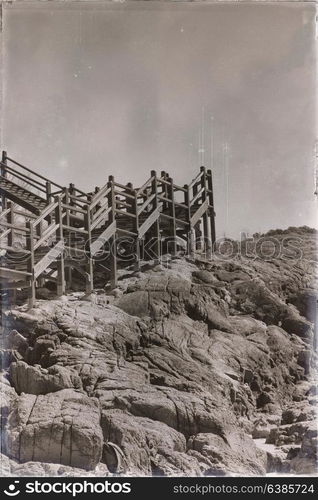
305,461
14,340
225,453
9,467
62,426
263,425
171,375
37,380
304,359
142,443
288,434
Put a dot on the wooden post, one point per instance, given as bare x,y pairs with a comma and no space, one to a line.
67,222
211,203
30,263
197,232
98,206
156,225
172,213
207,246
89,260
39,230
3,174
190,236
48,192
134,210
10,220
112,218
60,237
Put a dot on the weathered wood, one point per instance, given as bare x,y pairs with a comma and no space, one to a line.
47,260
198,214
211,210
10,220
206,236
113,249
150,221
103,238
47,233
13,274
14,285
151,211
30,263
172,210
60,259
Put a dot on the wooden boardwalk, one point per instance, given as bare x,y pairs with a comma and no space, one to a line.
51,232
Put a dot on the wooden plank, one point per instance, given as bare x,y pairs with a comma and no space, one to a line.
179,221
150,221
14,249
14,226
195,180
102,217
50,257
102,193
198,194
5,233
4,213
14,285
120,230
44,213
108,233
74,208
74,229
146,203
147,184
198,214
46,235
12,274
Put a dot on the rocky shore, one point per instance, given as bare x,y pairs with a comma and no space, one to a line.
187,368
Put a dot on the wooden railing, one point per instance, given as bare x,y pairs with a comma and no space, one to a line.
159,209
35,183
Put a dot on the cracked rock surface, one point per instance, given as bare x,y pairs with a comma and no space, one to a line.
188,369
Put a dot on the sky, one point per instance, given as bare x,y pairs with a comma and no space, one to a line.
93,89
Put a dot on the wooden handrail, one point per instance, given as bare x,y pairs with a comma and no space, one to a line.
45,213
5,212
99,195
5,233
100,218
144,186
195,180
32,172
126,195
50,230
179,188
74,208
197,196
117,184
14,226
146,203
24,178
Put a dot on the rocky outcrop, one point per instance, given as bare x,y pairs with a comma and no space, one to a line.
184,369
61,427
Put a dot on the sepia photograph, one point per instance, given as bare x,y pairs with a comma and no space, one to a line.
158,244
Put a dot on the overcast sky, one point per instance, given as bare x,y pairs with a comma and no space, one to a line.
121,89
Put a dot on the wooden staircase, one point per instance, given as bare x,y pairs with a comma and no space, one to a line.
52,233
18,194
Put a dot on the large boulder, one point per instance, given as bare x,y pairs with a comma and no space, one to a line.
37,380
61,427
225,453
